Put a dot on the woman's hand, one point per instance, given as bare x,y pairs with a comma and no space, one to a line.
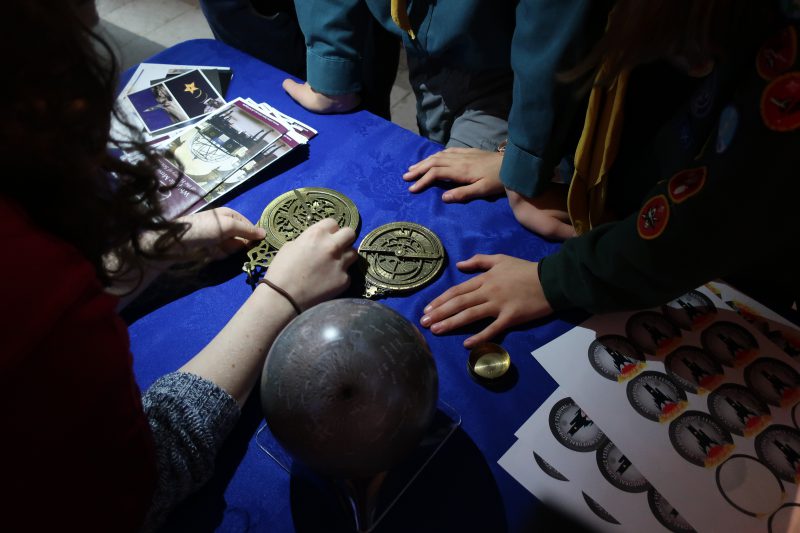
477,170
306,96
509,291
313,267
220,231
546,214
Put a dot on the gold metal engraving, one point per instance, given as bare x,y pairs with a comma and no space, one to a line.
400,256
288,215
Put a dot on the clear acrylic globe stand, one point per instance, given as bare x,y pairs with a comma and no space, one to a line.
370,500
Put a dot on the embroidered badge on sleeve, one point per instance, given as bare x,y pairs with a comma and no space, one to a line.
653,217
777,54
686,183
780,103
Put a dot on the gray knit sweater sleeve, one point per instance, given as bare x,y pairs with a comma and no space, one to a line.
190,418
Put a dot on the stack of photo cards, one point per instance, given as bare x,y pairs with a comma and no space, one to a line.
213,156
699,397
159,100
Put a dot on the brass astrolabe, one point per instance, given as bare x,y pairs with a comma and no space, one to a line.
400,256
288,215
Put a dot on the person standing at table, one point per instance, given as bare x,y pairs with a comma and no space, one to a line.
460,58
82,447
697,177
268,30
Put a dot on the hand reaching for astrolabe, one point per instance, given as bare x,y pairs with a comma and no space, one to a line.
508,290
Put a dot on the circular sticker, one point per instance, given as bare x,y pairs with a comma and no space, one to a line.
777,54
651,332
730,344
573,428
700,439
750,314
784,519
694,370
779,447
749,486
692,310
773,381
599,510
614,357
779,103
666,514
739,410
787,341
653,217
728,122
618,470
548,469
656,396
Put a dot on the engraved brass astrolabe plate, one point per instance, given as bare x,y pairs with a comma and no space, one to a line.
288,215
400,256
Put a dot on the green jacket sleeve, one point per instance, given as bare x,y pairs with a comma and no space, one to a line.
743,218
334,32
550,36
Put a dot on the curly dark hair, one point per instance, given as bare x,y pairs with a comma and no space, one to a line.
57,100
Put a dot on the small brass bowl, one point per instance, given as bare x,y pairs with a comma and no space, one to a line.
488,362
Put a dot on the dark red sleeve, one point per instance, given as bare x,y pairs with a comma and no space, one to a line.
77,447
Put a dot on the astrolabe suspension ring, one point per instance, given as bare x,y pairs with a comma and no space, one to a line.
288,215
400,256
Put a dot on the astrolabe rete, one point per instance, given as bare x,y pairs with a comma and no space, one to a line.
400,256
288,215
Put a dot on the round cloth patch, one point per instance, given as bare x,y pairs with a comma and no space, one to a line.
692,310
700,439
739,410
653,333
728,122
694,370
749,486
573,428
666,513
656,396
729,343
614,357
777,54
779,103
685,184
779,447
618,470
653,217
773,381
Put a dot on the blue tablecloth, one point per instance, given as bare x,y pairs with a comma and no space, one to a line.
463,488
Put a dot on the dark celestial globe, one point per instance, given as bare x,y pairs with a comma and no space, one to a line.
349,388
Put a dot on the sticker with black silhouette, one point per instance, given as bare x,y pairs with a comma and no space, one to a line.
729,343
694,370
666,514
652,333
618,469
700,439
749,486
784,519
692,310
614,357
788,341
778,447
773,381
656,396
548,469
573,428
739,410
599,510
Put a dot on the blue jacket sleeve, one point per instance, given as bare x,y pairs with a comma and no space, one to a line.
334,32
550,36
